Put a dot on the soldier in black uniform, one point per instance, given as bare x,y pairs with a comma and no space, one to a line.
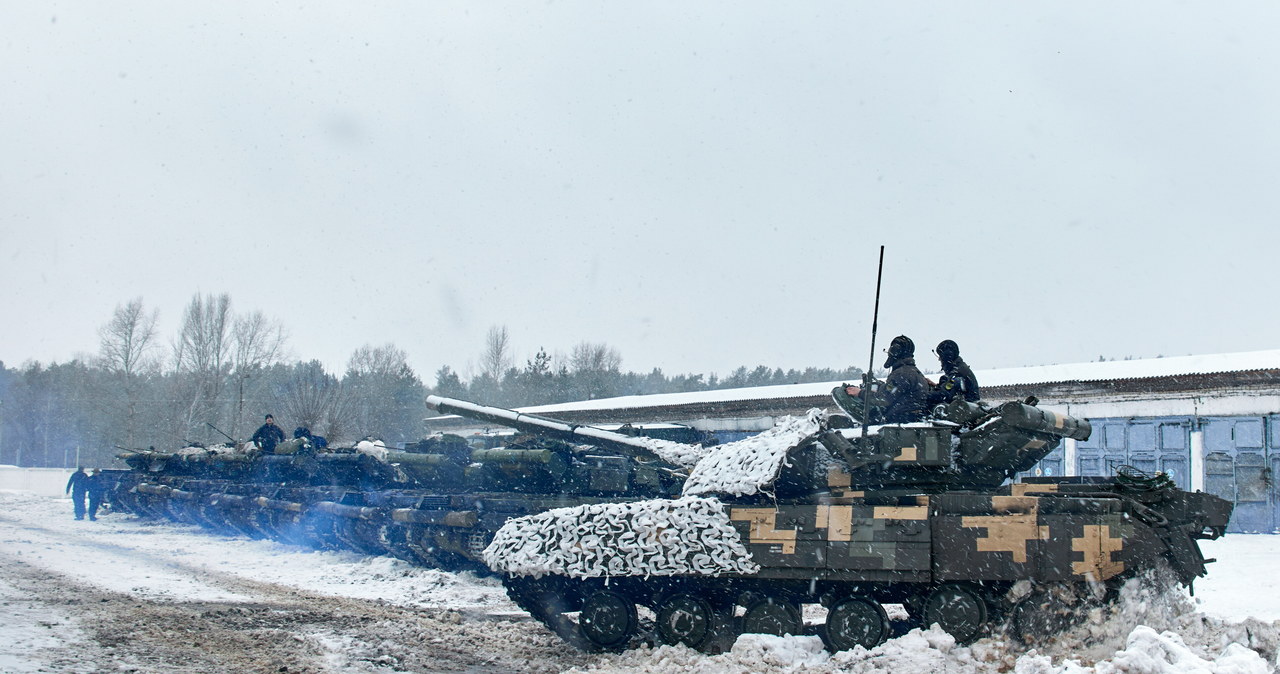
78,485
957,380
906,391
97,491
268,435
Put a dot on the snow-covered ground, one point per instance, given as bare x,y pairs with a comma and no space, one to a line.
124,594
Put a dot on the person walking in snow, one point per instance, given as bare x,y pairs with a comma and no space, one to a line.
97,489
268,435
78,487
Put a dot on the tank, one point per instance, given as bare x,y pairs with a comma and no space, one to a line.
822,510
437,502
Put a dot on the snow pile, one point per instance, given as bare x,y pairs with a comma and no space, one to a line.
1153,601
932,650
751,653
1149,651
744,467
643,538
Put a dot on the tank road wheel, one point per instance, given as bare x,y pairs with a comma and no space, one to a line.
548,600
856,621
693,621
772,615
608,619
957,610
1042,614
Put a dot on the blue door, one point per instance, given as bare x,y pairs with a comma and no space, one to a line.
1272,476
1237,469
1091,455
1154,444
1173,437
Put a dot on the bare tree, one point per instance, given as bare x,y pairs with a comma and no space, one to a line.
595,369
128,345
127,351
385,395
203,346
256,342
317,400
202,359
387,359
587,357
497,358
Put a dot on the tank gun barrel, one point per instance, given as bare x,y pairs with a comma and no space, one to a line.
1017,435
553,428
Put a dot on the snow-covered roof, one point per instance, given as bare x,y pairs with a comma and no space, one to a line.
1039,374
1133,369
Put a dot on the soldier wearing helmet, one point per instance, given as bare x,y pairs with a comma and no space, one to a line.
906,391
957,380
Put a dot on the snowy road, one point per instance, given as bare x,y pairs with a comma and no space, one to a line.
124,594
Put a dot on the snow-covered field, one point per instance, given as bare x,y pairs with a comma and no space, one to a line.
123,594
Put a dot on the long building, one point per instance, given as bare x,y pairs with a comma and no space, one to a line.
1212,422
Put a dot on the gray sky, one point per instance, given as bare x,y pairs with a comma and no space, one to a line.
700,185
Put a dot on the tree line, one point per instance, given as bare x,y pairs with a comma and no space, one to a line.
593,370
213,381
210,383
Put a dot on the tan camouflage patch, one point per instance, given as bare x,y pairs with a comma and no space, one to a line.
763,528
837,520
1034,444
838,477
1015,505
1097,546
901,513
907,454
1007,533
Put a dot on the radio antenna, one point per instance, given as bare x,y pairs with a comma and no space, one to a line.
867,378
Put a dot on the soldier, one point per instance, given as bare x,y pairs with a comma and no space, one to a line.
957,380
97,488
78,486
905,389
268,435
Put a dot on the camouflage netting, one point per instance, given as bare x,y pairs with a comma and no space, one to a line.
746,466
677,453
209,451
644,538
377,450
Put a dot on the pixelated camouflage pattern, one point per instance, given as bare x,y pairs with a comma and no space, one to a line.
951,536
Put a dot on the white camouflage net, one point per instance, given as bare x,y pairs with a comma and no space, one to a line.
678,453
209,451
644,538
377,450
744,467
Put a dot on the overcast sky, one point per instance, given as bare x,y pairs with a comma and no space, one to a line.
699,185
